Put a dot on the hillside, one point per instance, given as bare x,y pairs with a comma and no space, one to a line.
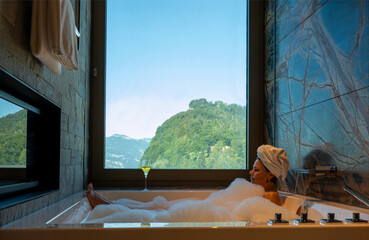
124,152
207,136
13,139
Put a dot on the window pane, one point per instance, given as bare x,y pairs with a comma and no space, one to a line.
176,84
13,135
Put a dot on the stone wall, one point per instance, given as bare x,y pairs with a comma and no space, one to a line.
317,88
70,90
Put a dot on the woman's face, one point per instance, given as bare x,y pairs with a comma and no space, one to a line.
259,175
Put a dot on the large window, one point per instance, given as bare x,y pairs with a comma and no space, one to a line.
172,87
176,84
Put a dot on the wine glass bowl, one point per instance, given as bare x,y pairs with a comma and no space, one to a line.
145,167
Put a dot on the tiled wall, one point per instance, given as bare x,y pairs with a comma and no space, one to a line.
70,90
317,92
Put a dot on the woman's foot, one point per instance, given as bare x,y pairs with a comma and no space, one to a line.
94,198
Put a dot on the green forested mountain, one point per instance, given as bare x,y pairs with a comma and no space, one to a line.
207,136
13,139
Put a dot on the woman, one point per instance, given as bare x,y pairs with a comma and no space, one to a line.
271,164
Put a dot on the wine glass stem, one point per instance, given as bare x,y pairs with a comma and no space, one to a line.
145,182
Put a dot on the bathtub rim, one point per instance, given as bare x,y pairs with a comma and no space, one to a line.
39,218
317,203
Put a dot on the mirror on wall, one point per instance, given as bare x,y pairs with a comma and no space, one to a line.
29,142
13,135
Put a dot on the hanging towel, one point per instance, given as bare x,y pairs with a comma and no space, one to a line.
61,33
39,37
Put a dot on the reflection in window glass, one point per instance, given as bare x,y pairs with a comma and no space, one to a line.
176,84
13,135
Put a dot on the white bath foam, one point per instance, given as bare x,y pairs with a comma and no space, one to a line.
231,205
260,209
240,201
195,211
122,215
239,190
185,211
103,210
157,203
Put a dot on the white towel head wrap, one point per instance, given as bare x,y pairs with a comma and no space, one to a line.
275,160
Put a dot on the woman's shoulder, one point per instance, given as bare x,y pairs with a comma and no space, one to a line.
274,197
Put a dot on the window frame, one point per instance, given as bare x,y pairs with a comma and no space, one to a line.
159,178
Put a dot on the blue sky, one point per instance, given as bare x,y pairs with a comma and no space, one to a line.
161,54
7,108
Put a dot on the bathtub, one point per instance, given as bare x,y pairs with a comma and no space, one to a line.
66,224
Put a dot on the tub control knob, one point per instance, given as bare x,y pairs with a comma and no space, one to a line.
356,216
278,217
330,219
303,219
355,219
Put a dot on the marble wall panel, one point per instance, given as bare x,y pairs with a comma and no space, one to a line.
270,72
270,50
321,60
320,54
327,135
290,14
269,11
338,127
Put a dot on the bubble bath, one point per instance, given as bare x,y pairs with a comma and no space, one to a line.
241,201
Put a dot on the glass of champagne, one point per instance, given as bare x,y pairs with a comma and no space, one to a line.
145,166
